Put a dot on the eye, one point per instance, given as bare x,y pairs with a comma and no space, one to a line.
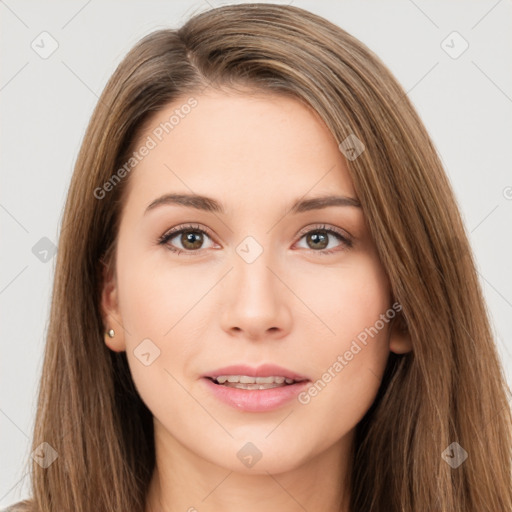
317,239
190,239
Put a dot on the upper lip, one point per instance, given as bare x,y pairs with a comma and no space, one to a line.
265,370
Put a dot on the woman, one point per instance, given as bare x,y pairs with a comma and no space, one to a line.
264,292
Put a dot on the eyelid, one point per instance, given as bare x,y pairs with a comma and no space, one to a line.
326,227
186,227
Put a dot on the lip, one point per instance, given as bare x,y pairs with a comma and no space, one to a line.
255,400
265,370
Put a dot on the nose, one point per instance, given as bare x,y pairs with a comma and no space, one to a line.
257,304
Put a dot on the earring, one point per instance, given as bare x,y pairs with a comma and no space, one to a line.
110,333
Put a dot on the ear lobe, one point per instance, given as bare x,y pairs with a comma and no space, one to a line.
110,311
399,339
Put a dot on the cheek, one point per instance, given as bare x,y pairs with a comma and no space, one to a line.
153,303
155,293
348,365
348,298
344,388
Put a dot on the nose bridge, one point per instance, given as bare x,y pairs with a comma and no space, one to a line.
256,283
257,302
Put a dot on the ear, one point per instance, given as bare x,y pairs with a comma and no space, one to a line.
110,310
399,338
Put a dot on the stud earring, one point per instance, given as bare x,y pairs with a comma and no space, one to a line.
110,333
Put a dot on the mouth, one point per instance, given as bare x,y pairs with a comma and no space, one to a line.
250,389
248,382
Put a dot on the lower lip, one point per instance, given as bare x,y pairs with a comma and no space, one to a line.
256,400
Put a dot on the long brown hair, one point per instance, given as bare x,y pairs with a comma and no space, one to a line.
450,388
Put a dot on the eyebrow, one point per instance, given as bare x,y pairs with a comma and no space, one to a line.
209,204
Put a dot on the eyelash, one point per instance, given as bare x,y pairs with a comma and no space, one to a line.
164,239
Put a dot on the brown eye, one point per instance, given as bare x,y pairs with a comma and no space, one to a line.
191,239
317,239
320,240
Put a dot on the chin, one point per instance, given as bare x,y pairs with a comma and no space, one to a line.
259,456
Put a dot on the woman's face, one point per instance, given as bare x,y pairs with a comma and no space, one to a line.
254,281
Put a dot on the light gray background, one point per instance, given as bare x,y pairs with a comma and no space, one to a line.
465,103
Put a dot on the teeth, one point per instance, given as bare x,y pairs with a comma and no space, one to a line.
240,385
245,379
264,380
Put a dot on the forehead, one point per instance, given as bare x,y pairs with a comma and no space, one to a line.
238,145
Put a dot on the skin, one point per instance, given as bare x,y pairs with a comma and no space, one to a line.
292,306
